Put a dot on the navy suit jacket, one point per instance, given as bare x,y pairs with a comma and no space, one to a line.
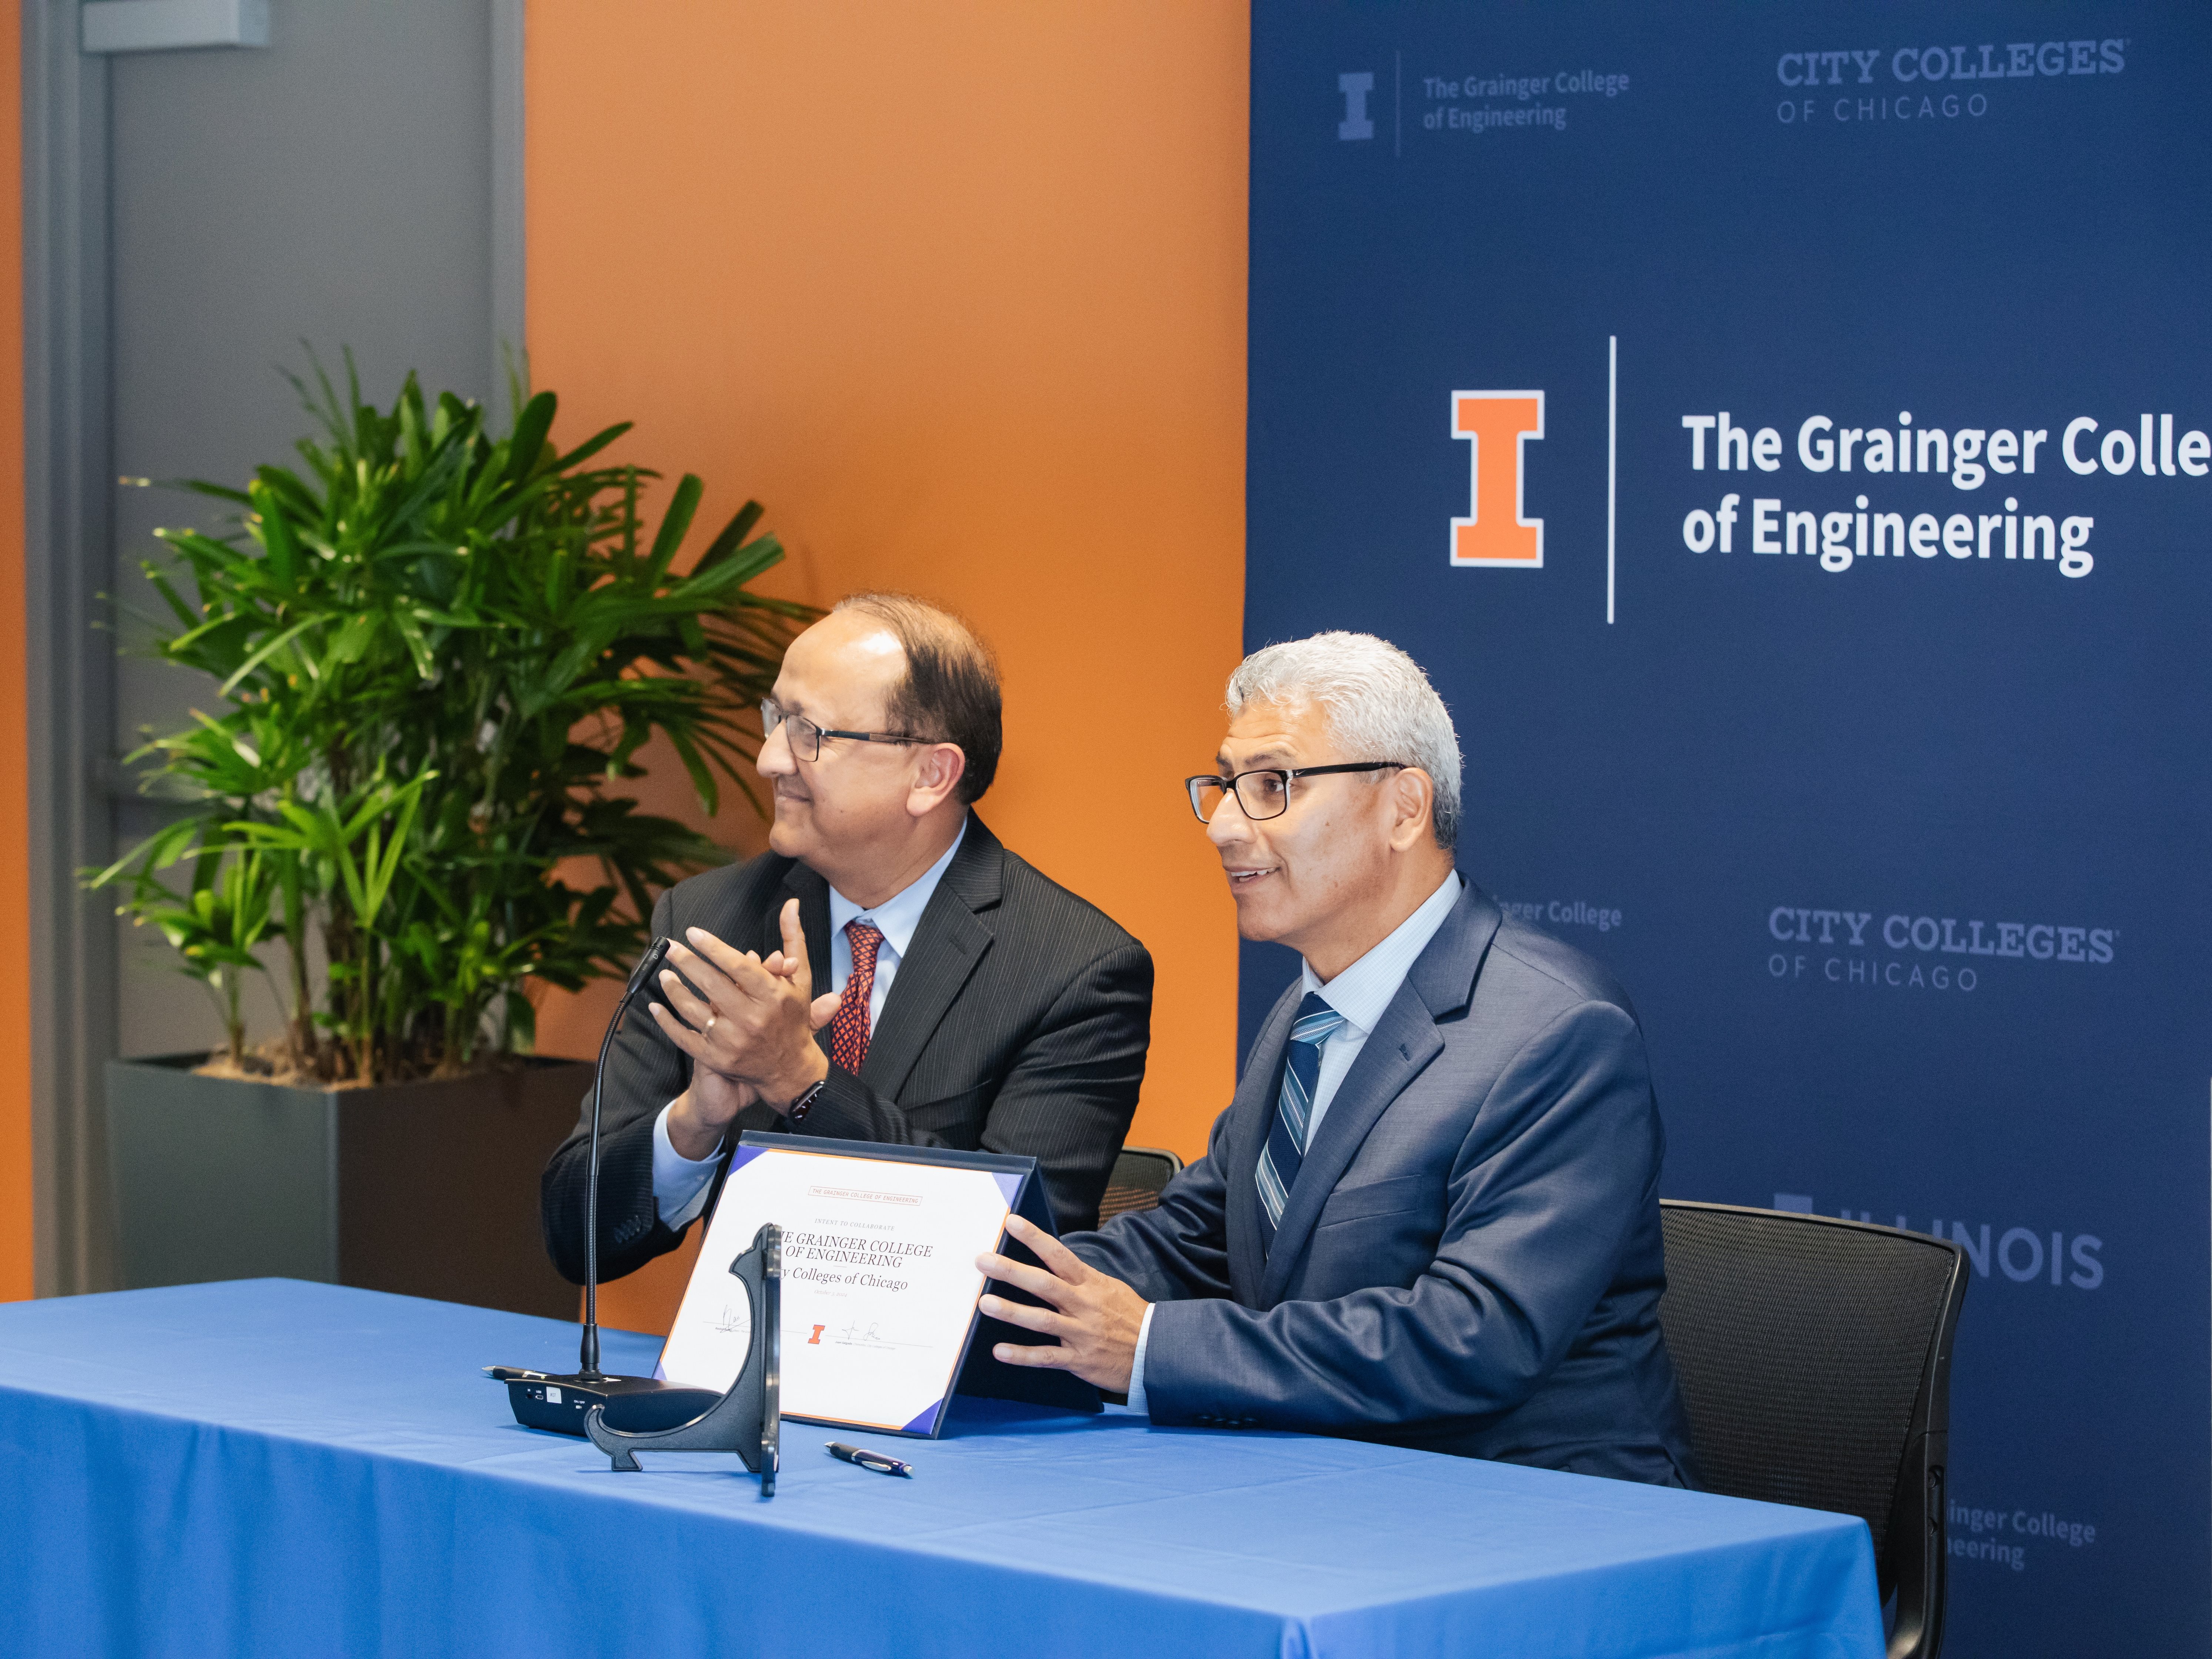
1470,1260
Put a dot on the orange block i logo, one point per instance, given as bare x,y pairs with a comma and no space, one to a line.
1497,426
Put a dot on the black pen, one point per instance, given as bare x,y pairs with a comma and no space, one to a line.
868,1459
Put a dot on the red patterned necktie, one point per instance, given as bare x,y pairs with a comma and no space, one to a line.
848,1032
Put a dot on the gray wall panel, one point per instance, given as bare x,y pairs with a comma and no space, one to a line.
190,218
335,189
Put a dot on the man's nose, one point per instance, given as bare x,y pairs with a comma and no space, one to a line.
775,759
1228,825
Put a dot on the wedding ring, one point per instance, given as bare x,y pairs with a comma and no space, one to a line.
707,1030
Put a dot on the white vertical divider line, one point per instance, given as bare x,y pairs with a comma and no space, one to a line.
1612,459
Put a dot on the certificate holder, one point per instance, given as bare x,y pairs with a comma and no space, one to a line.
880,1287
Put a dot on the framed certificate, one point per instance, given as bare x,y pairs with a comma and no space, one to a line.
880,1285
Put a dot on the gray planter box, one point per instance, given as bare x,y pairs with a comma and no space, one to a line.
424,1188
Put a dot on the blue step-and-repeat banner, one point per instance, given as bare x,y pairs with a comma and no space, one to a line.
1781,432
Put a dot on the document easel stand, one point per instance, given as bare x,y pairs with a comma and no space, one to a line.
745,1421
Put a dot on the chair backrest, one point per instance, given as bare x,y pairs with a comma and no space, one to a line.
1815,1358
1139,1175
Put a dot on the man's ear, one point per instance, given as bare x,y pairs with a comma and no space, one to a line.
938,771
1413,800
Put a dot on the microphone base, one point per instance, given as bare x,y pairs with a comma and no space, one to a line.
560,1404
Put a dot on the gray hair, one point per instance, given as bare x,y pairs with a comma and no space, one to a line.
1379,704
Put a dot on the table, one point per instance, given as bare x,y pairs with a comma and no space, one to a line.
272,1468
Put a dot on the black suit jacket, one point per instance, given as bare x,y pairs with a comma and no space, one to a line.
1017,1023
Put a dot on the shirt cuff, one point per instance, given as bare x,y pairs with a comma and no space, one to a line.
1137,1368
680,1184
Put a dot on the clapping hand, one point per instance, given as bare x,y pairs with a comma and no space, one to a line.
748,1026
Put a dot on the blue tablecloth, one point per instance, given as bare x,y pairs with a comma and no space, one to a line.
270,1468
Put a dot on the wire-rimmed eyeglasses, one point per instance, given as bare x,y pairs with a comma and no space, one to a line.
805,736
1265,793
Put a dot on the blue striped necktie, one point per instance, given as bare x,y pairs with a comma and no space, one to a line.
1286,1150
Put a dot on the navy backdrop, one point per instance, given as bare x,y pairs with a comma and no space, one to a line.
1895,827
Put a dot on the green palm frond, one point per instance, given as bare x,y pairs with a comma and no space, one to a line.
437,653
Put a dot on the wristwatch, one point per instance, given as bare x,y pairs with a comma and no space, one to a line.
796,1111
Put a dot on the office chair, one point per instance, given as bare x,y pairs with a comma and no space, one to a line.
1815,1358
1139,1175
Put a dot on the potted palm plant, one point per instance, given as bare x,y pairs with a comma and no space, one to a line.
436,655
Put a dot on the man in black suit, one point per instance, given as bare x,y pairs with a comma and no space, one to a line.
972,1003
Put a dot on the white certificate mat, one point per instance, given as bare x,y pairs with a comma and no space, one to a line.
879,1281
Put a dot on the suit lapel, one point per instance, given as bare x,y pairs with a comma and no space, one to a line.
1252,1114
813,896
1440,983
948,943
1402,1042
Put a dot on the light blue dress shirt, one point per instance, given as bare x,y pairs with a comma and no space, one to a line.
1361,993
680,1184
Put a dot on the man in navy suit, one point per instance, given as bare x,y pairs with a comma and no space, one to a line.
1431,1214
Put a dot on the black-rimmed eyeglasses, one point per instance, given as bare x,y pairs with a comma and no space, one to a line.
805,736
1265,793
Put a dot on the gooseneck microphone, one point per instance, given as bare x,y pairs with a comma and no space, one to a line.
543,1400
588,1356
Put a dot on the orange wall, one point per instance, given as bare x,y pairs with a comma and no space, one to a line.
958,292
15,710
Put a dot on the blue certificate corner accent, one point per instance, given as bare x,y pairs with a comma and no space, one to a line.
1010,1184
742,1156
927,1423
